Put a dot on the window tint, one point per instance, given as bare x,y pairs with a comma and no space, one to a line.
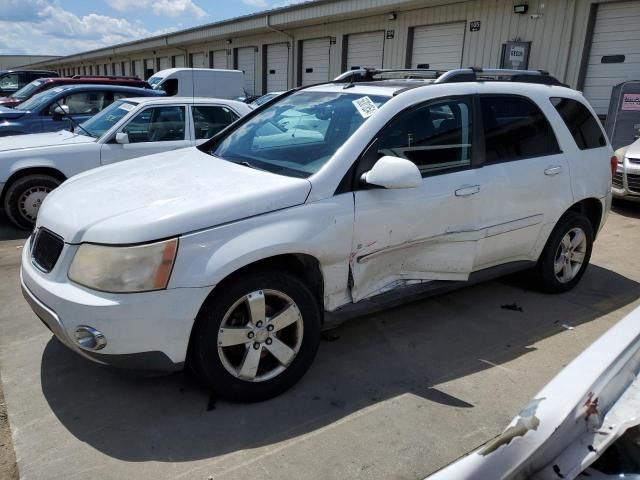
83,103
157,124
435,137
583,127
210,119
515,128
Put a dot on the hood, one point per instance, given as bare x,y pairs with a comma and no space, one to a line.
36,140
164,195
632,151
7,113
9,102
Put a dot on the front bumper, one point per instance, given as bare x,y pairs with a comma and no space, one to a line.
144,331
626,181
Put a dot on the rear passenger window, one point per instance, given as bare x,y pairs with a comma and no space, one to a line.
436,136
583,127
515,128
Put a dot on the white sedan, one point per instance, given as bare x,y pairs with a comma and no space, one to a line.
33,165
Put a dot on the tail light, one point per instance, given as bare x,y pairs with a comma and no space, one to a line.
614,165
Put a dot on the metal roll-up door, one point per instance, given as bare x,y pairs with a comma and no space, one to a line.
315,61
365,50
149,68
438,46
178,61
116,69
198,60
219,59
614,56
127,68
137,67
277,67
247,63
163,63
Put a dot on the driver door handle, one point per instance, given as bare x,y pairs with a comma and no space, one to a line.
467,191
553,170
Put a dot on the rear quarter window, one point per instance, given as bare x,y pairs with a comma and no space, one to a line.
583,126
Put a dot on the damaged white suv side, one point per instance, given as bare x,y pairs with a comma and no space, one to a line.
321,204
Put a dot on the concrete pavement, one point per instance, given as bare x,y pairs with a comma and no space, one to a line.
398,394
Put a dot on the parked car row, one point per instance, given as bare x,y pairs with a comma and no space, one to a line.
229,256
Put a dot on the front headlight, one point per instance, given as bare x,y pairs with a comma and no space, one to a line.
124,269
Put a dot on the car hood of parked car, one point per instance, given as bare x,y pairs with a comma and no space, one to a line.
39,140
9,101
162,196
632,151
8,113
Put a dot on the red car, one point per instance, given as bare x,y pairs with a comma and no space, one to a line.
42,84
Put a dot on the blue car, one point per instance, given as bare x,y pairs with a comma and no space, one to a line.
61,107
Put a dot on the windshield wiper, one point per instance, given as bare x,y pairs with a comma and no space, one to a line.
75,124
250,165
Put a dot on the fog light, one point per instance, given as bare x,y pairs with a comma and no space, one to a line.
89,338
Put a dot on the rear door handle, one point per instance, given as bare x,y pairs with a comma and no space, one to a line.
553,170
467,191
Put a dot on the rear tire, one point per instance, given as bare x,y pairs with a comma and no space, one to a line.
256,336
25,195
566,255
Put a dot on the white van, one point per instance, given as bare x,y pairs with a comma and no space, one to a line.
199,82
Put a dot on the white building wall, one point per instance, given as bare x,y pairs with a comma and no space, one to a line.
557,29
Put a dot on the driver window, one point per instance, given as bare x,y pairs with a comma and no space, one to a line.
157,124
82,103
436,136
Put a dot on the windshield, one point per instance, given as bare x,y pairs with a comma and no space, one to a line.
154,81
27,90
39,100
265,98
97,125
298,134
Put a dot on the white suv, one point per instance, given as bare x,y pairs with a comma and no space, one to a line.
323,203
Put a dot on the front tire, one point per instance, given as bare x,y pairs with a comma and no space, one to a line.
566,255
24,197
256,336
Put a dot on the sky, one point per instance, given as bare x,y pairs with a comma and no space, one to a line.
63,27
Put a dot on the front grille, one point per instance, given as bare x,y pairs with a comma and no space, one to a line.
46,249
634,160
617,180
633,182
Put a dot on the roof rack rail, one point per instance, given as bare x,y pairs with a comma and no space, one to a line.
366,74
105,77
477,74
470,74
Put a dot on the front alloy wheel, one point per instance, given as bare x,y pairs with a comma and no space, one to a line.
260,335
256,335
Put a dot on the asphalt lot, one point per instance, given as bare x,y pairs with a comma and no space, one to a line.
394,395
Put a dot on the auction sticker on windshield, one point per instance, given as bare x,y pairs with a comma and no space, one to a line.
365,107
127,107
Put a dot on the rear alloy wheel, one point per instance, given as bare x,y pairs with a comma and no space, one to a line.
257,336
566,255
25,196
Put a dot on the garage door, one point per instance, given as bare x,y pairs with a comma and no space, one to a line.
178,61
163,63
277,67
116,69
149,68
247,63
315,61
615,52
219,59
137,68
365,50
198,60
438,46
